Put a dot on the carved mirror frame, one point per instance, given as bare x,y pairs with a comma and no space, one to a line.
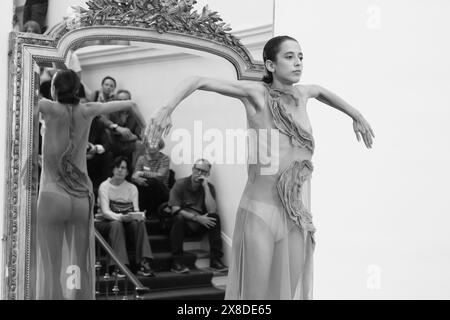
165,22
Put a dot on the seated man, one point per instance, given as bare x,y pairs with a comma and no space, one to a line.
121,219
152,177
193,204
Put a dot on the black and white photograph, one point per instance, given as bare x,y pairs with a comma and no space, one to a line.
207,150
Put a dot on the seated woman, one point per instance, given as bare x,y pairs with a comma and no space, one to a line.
151,174
120,219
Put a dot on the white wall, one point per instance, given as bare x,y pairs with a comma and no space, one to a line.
5,28
388,206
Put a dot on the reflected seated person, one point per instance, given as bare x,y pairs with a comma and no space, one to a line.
151,175
120,222
193,204
124,141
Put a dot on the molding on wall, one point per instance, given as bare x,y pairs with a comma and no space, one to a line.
114,55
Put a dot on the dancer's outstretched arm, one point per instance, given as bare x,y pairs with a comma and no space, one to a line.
160,123
97,108
360,125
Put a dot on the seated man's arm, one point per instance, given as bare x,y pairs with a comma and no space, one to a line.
176,202
210,196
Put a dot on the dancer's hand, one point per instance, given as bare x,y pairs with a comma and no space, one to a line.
363,129
206,221
159,126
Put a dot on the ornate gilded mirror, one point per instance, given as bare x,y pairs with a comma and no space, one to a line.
149,28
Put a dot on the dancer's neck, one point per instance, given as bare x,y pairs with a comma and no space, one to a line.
281,86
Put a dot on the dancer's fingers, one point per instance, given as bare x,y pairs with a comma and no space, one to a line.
357,136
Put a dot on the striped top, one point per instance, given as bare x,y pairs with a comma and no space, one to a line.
159,164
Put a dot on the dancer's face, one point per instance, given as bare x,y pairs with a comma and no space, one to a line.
108,86
288,66
121,171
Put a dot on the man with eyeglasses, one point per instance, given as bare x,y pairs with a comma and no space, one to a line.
193,204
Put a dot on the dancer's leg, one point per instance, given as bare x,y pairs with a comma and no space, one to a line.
257,263
53,210
296,260
78,229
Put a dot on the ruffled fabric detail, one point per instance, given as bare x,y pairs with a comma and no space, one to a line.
285,123
289,188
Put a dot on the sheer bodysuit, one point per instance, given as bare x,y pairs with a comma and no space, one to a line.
273,241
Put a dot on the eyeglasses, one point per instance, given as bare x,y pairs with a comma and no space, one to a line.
201,171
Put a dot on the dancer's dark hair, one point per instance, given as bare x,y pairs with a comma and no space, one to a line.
67,86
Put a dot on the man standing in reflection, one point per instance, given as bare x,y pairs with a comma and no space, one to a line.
194,207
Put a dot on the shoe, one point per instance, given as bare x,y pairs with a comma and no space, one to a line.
217,265
118,273
179,268
145,270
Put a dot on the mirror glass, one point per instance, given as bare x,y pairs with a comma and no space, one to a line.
205,125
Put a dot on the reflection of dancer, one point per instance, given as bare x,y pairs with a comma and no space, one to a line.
65,237
273,239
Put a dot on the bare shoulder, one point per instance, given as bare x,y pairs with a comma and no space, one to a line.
308,90
256,93
255,88
46,105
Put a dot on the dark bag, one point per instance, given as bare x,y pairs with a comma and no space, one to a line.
165,216
121,207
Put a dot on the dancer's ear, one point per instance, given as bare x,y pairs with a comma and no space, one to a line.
270,65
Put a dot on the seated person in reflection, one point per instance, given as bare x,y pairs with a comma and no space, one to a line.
120,220
152,178
124,144
105,132
106,93
99,154
193,204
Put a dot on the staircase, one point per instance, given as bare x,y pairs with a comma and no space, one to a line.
200,283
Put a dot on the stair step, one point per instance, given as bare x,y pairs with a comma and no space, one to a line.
161,281
202,293
161,261
154,227
159,242
200,283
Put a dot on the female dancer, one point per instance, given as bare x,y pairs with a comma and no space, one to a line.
65,234
273,240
